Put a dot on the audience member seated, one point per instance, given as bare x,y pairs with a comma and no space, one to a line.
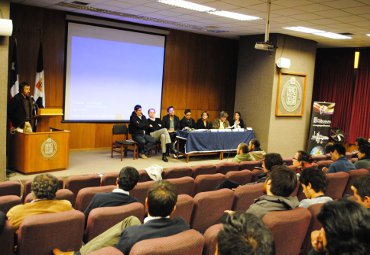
187,121
237,121
137,127
363,157
126,181
203,122
255,150
361,191
159,133
43,187
302,160
314,183
345,229
244,233
221,122
271,160
338,155
172,123
361,141
160,203
2,221
242,153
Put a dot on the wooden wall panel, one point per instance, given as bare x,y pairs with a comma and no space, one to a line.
199,73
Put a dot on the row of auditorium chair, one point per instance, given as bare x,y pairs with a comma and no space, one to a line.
38,234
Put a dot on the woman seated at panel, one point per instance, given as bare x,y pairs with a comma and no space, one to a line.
237,121
187,121
203,122
221,122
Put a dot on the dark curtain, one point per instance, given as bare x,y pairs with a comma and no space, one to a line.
334,75
360,119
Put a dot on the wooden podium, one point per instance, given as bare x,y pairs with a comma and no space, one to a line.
40,151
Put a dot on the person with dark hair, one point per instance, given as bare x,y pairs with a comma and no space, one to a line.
237,121
44,188
363,157
160,204
255,150
340,164
159,133
221,122
22,108
137,127
172,123
2,221
345,229
126,181
314,183
361,191
203,122
244,233
361,141
302,160
280,183
187,121
242,153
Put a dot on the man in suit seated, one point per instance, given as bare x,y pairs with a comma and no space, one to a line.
172,123
160,203
126,181
361,191
187,121
44,188
341,163
244,233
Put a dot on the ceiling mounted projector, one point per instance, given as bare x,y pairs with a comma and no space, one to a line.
264,46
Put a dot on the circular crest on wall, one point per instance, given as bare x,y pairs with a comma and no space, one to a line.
291,97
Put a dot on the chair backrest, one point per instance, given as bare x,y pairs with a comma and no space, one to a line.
101,219
141,190
143,176
250,165
107,251
209,207
210,238
119,129
242,177
184,207
109,178
184,243
245,196
324,163
203,169
177,172
337,182
318,158
61,194
225,167
7,239
184,185
10,188
27,188
289,229
353,175
256,173
75,183
85,195
39,234
207,182
314,225
8,201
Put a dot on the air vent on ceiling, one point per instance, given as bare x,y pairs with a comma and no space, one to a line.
349,34
80,3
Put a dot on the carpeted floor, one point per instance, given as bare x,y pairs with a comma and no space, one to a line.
100,161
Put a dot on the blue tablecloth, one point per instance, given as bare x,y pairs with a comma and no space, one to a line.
208,141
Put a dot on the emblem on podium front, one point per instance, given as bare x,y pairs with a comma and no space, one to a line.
49,148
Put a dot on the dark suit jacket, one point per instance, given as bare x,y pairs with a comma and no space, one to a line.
187,123
137,126
16,111
108,199
153,229
200,124
154,125
166,122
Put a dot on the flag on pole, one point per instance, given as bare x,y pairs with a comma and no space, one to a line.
39,94
13,76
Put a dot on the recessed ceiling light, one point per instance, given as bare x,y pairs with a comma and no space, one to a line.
187,5
234,15
368,34
318,32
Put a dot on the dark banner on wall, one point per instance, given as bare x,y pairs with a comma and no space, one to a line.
318,137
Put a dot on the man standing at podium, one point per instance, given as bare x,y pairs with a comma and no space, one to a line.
21,109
